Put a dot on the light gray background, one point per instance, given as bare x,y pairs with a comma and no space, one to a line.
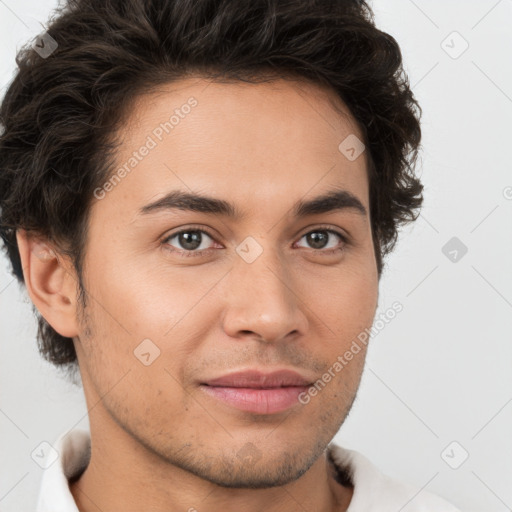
441,370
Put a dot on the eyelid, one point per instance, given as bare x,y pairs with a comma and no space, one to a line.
326,227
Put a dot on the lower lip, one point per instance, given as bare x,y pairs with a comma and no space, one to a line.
259,401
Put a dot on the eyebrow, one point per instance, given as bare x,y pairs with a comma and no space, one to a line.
331,201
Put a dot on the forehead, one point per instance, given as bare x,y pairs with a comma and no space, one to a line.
296,109
256,143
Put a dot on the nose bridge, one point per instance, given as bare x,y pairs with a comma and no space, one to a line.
262,298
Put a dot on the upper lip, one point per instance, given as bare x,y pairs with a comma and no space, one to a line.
259,379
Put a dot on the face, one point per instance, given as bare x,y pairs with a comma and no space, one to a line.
183,292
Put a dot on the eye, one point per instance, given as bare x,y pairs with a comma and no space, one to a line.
319,240
191,242
194,241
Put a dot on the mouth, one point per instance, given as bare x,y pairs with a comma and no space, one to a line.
258,392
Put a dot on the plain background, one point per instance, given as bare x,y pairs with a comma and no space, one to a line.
437,386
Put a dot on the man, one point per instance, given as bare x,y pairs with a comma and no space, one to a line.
198,198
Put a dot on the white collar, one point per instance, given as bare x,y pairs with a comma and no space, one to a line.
373,491
74,452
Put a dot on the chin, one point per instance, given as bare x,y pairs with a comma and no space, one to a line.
252,472
256,478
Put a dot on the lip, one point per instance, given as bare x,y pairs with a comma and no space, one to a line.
259,379
258,392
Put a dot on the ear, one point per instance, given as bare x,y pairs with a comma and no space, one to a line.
51,282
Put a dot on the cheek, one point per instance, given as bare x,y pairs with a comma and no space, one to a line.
134,302
344,300
142,316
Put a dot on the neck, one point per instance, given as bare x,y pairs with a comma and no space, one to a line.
124,475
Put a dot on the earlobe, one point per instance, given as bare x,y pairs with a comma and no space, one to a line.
50,281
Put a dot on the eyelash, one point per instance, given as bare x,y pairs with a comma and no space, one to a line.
205,252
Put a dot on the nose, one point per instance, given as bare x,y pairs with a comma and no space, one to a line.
263,300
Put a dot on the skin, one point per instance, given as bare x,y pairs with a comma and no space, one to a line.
160,442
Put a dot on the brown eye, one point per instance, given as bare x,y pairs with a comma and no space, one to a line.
324,240
191,241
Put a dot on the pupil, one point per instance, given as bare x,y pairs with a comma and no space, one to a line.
190,239
317,239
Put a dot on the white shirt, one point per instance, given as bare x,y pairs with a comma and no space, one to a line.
373,491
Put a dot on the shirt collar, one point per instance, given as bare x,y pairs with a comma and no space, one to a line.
74,452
